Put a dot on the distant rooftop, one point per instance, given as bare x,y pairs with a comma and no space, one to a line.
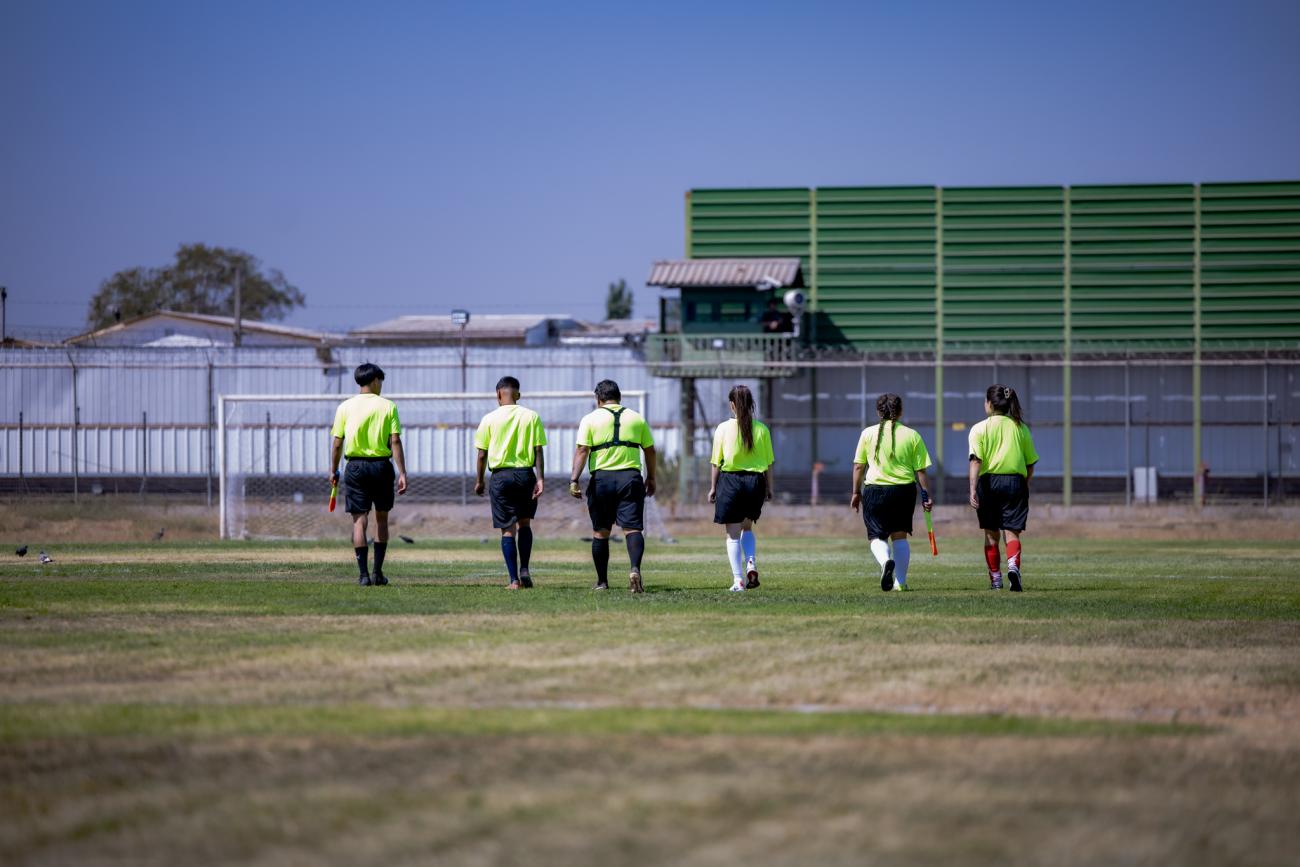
609,332
176,328
500,327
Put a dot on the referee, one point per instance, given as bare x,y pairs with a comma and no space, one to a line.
610,441
509,441
369,426
893,458
741,482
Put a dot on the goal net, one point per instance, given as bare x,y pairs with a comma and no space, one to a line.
274,451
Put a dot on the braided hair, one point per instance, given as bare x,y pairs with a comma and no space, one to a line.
889,407
1004,402
743,400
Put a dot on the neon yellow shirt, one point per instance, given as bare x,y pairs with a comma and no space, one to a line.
1002,446
729,454
902,453
365,423
510,434
598,427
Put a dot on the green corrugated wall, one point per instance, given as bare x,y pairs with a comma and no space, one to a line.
1129,273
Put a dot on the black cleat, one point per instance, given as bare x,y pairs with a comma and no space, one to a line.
364,581
407,539
1013,577
380,580
887,576
525,579
601,585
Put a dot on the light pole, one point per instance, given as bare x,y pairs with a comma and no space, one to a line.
460,318
4,307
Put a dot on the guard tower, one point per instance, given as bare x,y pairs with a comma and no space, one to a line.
725,318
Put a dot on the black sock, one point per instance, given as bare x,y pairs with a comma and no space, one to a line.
635,548
600,556
380,549
524,535
361,560
509,553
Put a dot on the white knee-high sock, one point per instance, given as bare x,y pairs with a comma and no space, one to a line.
902,556
735,556
880,549
749,544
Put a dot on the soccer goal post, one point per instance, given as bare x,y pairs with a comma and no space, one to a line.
273,453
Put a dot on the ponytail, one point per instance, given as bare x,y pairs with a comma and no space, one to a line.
743,400
889,407
1003,400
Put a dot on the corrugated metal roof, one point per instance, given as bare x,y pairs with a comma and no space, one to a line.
738,273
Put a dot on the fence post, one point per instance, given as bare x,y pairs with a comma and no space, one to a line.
1128,437
210,433
862,386
266,446
938,345
76,453
144,451
221,467
76,419
1198,471
22,482
1067,380
1264,451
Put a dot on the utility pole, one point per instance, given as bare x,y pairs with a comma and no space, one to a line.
4,305
460,318
238,336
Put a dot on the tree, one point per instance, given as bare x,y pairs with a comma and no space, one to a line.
618,302
201,280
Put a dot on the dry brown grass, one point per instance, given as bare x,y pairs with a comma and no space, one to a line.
623,800
1220,797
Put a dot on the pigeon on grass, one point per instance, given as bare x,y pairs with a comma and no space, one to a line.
22,552
46,558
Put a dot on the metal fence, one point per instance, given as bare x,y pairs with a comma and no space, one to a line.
127,420
1131,419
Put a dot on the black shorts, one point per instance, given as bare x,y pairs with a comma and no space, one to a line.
888,509
740,496
367,482
1004,501
616,497
511,493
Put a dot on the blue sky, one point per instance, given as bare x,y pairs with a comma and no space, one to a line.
411,157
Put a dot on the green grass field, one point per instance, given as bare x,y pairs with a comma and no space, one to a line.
171,703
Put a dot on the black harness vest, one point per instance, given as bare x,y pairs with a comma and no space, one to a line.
615,441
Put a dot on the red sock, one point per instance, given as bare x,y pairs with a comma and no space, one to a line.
991,557
1013,554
